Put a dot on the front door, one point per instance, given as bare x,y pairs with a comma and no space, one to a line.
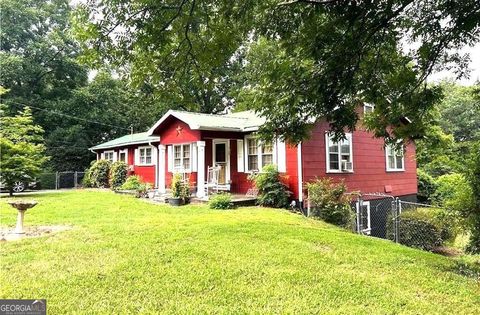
221,159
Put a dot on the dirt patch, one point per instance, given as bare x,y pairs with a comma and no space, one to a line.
7,233
447,251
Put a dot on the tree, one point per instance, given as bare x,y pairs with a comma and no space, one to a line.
21,146
305,59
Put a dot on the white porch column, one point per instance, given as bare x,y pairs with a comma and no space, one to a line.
201,169
161,169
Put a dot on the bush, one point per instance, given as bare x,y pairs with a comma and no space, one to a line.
133,183
445,221
177,186
426,186
221,201
417,229
330,203
118,174
272,192
98,174
454,192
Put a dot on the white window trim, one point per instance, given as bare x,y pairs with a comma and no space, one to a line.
368,230
181,169
327,138
126,155
388,168
365,106
107,152
151,156
259,155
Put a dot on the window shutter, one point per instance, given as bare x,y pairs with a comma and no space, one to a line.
102,156
136,157
154,155
245,155
281,156
115,156
170,158
194,162
240,158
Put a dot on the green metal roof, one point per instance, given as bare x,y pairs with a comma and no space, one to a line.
135,138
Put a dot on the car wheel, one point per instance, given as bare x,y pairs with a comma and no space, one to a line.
18,187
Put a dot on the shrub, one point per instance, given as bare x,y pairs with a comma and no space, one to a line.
98,174
417,229
454,192
118,174
221,201
330,203
177,186
426,186
133,183
272,192
445,221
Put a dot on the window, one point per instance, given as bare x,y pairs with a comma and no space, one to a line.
145,155
339,154
364,217
368,108
181,157
123,155
258,155
108,155
252,152
395,159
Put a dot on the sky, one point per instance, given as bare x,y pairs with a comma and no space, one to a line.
474,67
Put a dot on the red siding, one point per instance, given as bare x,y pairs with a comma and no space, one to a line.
176,131
369,165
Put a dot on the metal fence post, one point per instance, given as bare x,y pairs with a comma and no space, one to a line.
56,180
359,214
397,218
75,178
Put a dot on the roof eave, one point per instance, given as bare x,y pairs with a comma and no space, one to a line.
100,147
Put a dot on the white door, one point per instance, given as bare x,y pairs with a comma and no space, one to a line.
221,158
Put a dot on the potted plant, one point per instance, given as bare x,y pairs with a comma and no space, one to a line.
185,194
177,191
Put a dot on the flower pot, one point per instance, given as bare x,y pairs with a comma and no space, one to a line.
175,201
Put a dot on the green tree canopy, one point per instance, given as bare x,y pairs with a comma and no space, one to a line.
303,59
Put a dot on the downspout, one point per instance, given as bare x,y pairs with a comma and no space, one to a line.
300,175
156,163
96,154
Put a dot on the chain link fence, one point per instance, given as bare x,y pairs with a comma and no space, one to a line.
59,180
401,221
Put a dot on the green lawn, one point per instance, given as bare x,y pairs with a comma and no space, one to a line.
127,256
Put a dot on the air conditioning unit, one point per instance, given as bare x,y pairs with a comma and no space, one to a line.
347,166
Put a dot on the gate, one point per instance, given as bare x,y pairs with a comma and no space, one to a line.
378,215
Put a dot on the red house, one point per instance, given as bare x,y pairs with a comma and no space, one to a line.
191,142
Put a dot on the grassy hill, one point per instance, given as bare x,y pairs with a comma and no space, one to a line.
124,255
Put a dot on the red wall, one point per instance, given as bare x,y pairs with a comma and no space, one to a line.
146,173
369,165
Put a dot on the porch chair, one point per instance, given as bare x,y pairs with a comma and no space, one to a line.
213,172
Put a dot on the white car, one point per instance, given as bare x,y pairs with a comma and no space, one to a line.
19,186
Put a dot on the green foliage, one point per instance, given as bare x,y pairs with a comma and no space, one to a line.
329,202
454,192
21,146
418,229
118,174
272,192
299,60
221,201
133,183
426,186
177,185
474,218
98,174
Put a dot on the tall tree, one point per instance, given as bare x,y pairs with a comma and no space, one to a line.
306,59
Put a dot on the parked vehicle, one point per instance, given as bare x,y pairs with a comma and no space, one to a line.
19,186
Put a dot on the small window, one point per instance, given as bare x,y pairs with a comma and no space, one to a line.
339,154
181,157
145,156
364,217
395,158
267,154
368,108
108,155
252,152
123,155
